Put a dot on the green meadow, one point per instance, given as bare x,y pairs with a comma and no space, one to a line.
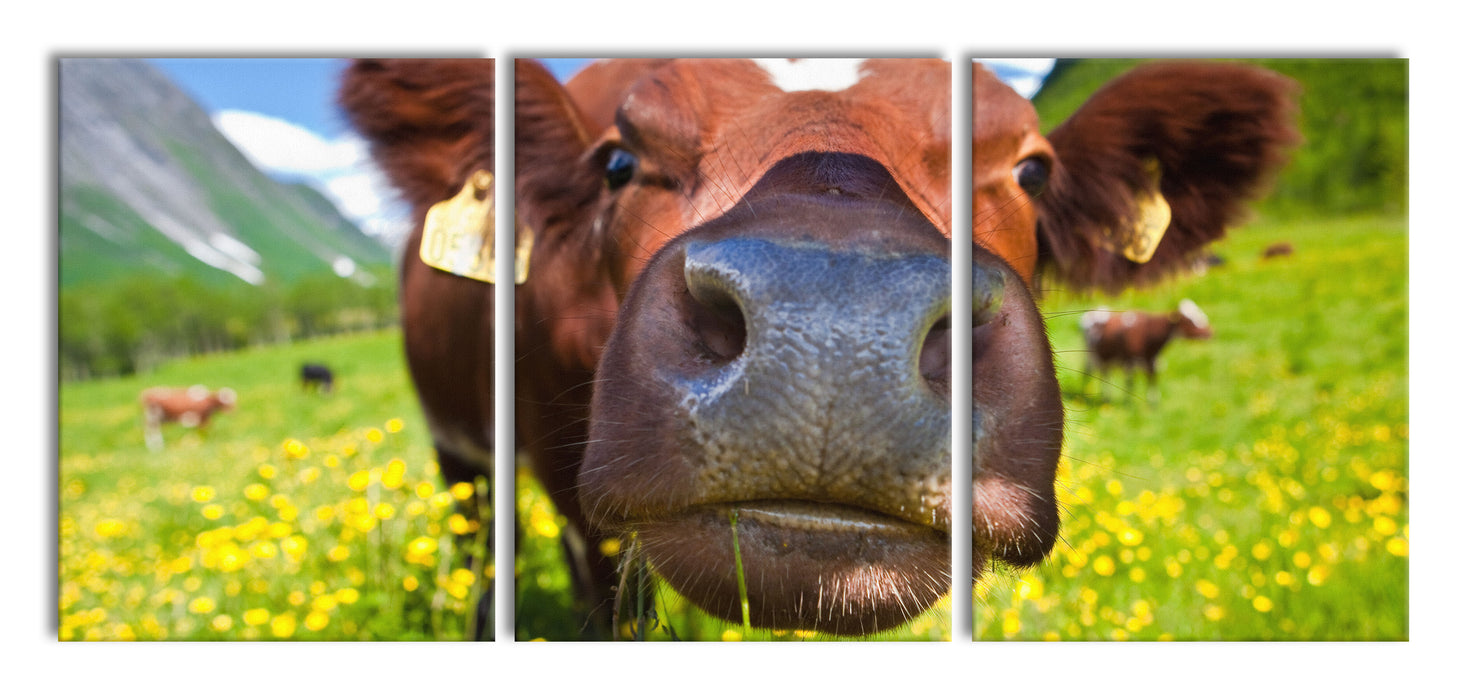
1264,496
297,515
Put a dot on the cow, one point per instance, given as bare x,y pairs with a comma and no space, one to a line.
734,321
190,407
1134,339
315,375
1278,250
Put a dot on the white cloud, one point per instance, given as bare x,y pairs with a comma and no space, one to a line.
1028,65
358,194
1022,74
278,145
340,168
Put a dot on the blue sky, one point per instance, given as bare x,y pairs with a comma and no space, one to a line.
281,113
298,90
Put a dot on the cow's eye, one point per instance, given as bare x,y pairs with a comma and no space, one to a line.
620,167
1032,174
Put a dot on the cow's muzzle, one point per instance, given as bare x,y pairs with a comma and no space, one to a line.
780,377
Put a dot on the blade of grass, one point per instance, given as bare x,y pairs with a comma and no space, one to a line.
739,572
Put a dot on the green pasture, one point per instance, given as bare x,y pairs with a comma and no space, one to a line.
295,516
1264,496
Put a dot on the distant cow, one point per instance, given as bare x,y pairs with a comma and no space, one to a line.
1133,339
737,308
316,376
1278,250
189,407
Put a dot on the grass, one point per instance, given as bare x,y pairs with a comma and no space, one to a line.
296,516
1265,496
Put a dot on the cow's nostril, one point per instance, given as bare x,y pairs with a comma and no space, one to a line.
717,323
933,360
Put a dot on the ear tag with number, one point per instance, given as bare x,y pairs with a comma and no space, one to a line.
458,234
1152,217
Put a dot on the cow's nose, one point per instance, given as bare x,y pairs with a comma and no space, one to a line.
824,375
812,303
828,318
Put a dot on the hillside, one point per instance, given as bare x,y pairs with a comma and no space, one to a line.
147,184
172,243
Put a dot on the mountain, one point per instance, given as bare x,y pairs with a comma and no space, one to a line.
149,187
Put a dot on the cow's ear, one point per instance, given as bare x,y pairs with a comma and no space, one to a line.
430,121
1170,149
551,136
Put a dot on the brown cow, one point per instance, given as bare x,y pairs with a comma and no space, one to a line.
1278,250
737,303
1133,339
189,407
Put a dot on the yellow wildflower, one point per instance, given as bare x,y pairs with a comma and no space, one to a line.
393,477
1010,624
221,623
283,625
460,525
317,620
110,528
610,547
295,449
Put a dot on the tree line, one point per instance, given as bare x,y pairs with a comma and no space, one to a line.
129,326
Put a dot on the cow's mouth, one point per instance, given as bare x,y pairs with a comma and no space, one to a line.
824,567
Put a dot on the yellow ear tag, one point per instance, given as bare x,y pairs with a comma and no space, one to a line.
458,234
524,241
1152,218
1149,222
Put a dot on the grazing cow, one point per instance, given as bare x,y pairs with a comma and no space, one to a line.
316,376
736,314
1278,250
189,407
1134,339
